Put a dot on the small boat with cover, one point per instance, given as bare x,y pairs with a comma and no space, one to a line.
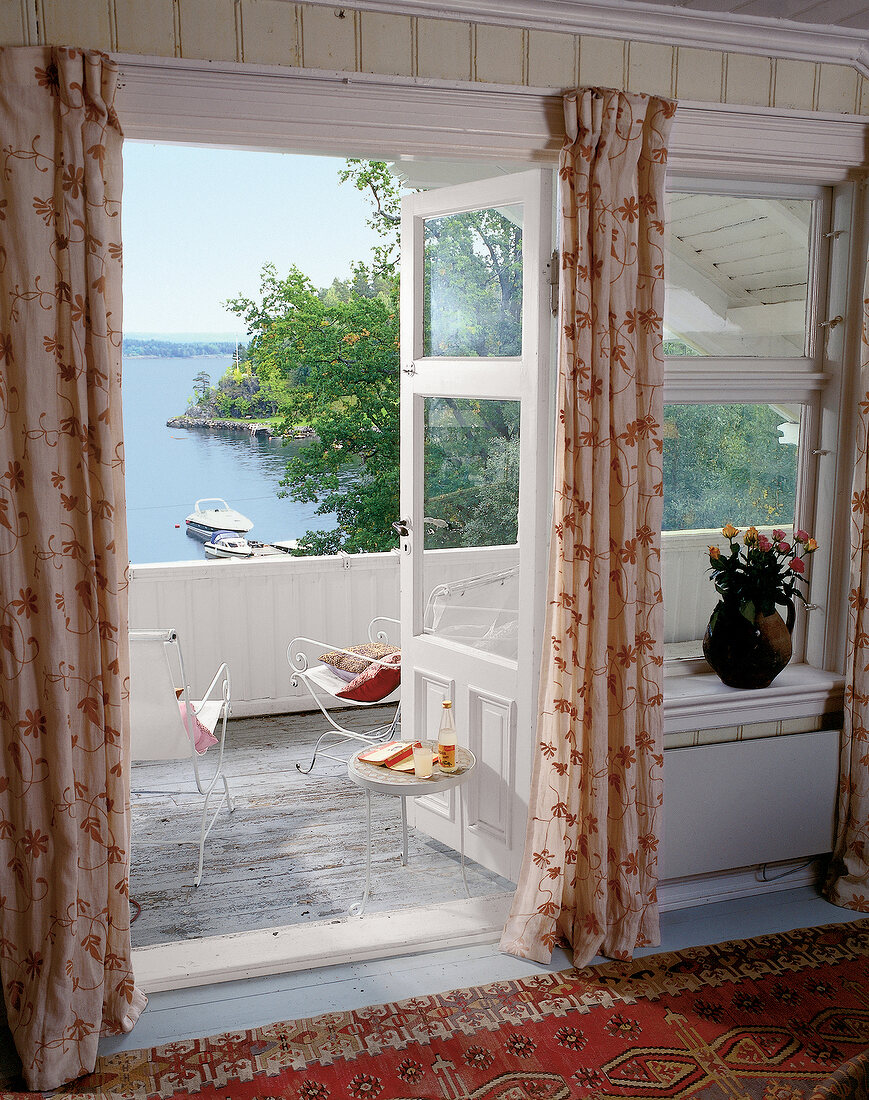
227,544
213,514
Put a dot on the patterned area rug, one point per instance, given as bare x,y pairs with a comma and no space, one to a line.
782,1017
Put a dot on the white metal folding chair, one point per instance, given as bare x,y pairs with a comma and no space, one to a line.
158,730
322,686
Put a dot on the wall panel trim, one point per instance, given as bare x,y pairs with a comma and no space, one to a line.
300,110
651,23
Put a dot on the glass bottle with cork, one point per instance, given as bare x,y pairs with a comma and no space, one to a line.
447,739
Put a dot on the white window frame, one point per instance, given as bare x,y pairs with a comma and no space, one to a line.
818,381
795,380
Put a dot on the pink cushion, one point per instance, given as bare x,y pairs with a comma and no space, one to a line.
202,736
376,682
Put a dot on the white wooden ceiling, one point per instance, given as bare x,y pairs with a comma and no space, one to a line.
737,272
847,14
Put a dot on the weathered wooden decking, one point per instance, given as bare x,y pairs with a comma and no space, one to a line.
293,850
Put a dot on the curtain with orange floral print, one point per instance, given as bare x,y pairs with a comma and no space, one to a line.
64,780
590,869
848,882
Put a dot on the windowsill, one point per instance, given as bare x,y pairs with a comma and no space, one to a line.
694,697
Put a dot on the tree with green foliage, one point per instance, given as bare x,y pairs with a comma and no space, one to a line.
473,285
472,471
374,179
338,363
724,463
201,384
329,359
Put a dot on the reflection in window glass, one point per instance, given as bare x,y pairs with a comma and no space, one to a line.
471,505
473,283
722,464
471,471
736,275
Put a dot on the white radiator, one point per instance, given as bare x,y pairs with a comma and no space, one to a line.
743,803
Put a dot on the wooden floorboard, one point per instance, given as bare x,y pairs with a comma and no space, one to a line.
187,1013
293,850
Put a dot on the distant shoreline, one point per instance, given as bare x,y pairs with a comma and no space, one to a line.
137,348
167,355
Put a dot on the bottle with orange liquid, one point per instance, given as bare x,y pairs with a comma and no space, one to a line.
447,739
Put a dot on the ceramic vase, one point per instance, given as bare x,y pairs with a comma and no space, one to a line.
748,654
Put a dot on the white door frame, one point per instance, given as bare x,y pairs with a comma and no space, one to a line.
494,697
293,110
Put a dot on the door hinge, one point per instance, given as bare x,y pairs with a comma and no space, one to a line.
554,272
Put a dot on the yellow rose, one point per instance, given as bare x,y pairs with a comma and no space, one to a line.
730,532
810,546
750,536
714,553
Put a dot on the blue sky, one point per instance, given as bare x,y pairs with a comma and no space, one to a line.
198,224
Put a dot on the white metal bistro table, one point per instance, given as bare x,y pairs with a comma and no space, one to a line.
375,779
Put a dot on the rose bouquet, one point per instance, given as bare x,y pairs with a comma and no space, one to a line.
764,571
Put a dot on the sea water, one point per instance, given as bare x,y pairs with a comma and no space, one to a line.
169,469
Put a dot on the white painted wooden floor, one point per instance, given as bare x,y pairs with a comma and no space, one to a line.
230,1006
210,1010
293,851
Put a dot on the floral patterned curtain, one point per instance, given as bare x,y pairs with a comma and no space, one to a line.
590,869
64,780
848,883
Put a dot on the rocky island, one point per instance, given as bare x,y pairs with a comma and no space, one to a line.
251,427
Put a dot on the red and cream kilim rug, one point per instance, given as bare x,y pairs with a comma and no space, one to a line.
782,1017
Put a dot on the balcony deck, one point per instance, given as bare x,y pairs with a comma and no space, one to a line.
293,851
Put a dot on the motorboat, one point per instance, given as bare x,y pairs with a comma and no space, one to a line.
228,544
213,514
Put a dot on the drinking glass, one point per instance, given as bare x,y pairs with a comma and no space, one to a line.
422,761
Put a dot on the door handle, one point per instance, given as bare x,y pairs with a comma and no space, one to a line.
402,526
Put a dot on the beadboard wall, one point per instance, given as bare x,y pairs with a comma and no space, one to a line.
312,36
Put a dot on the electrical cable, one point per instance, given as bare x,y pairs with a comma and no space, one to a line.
764,877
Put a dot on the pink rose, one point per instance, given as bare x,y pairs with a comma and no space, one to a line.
778,536
763,543
800,536
784,547
798,565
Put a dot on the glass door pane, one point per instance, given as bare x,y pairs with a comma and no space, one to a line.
471,510
473,283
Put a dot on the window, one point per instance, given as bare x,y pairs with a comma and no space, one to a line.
738,271
745,335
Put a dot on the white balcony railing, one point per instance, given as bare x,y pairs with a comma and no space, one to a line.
245,612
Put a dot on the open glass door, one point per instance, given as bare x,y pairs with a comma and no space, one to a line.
475,469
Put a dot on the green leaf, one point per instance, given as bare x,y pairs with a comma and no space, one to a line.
747,610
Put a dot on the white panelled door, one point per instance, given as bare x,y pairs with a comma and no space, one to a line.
475,490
